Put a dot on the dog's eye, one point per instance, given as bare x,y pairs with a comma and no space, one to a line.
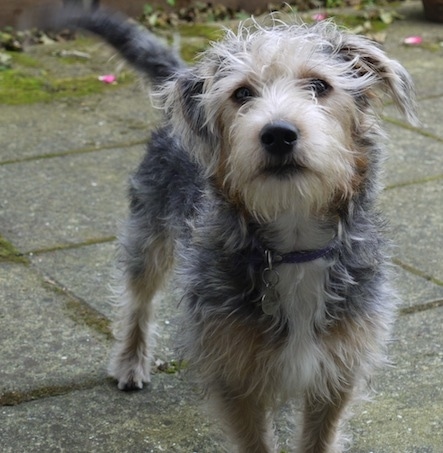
319,87
242,95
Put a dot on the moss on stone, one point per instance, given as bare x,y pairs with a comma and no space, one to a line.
9,253
81,312
18,87
24,59
207,31
172,367
13,398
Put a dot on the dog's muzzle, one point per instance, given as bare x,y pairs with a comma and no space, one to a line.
279,138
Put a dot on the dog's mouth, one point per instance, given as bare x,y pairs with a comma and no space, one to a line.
283,170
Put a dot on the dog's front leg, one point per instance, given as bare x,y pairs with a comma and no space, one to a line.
321,422
232,357
248,422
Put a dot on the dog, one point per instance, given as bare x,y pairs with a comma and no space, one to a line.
259,189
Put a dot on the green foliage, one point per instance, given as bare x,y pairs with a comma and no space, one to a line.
150,9
172,367
334,3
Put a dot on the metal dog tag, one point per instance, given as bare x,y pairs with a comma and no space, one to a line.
270,278
270,301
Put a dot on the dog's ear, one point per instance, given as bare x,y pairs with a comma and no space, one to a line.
182,102
190,91
182,99
377,71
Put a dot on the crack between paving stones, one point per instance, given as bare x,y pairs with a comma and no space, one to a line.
74,152
14,398
417,272
78,309
436,303
417,130
413,182
77,245
422,307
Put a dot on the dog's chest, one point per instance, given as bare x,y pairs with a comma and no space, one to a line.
301,292
297,288
302,303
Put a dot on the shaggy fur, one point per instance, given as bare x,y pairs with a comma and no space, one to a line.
259,187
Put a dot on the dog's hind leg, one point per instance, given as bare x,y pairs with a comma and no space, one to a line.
146,258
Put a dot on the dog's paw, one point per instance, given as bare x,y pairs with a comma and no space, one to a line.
130,374
132,382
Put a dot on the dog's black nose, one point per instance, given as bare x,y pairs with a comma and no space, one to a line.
279,137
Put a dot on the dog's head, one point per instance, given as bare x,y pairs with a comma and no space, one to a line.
282,118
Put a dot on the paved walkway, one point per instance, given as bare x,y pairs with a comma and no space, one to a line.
63,167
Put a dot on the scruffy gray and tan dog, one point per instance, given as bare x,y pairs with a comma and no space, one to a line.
259,188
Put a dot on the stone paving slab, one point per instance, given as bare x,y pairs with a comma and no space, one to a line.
415,291
410,156
414,213
88,271
430,117
428,111
166,419
42,346
424,63
66,199
406,415
76,122
86,122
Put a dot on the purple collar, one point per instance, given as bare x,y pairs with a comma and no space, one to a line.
303,256
297,257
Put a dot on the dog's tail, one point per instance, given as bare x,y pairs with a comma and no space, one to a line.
134,42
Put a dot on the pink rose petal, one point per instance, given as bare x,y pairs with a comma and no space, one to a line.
413,40
108,78
319,16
